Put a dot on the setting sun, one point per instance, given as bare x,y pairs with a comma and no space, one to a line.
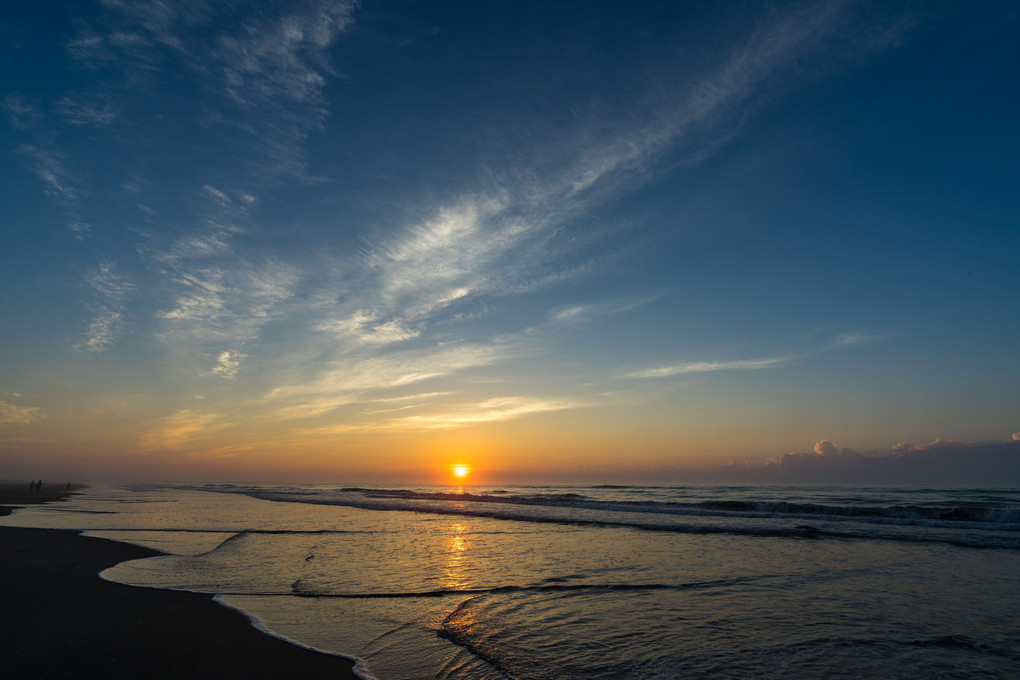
460,471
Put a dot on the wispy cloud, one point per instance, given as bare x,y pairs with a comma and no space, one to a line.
256,78
22,113
366,327
227,304
78,112
218,221
581,312
490,410
281,58
182,430
51,168
267,65
852,338
685,368
228,364
108,283
423,269
450,416
110,289
13,414
407,401
843,340
60,182
351,380
410,397
778,46
102,331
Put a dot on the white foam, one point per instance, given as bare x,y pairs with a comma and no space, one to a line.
360,667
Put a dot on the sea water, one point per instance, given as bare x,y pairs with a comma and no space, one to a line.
592,582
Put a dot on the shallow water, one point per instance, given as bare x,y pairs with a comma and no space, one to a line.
584,582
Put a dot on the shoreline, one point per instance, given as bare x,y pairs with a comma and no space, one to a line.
62,620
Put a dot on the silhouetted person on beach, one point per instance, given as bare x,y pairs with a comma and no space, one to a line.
68,489
38,485
31,485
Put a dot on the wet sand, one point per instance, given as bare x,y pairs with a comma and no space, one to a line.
60,620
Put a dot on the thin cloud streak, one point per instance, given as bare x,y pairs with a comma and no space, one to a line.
488,411
183,430
775,47
491,410
843,340
77,112
352,380
708,367
853,338
51,168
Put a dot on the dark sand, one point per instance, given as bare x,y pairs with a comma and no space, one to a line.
58,619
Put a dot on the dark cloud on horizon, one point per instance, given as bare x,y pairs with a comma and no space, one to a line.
942,462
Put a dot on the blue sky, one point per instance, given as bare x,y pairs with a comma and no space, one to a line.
322,239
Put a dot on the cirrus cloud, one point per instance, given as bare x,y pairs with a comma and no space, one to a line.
13,414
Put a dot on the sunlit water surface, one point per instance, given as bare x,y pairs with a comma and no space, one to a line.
592,582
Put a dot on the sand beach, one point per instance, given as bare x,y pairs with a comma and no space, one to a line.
60,620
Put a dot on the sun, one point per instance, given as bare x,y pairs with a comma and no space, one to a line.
460,471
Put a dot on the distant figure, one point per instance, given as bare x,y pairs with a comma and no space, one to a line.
38,485
68,487
31,485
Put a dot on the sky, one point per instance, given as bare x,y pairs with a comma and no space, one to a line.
337,241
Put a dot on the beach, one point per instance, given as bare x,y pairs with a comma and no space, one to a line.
540,582
60,619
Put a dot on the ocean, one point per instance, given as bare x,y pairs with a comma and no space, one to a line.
591,581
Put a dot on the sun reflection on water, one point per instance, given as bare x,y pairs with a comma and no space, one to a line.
454,576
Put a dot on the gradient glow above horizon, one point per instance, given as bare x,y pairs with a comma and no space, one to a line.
371,241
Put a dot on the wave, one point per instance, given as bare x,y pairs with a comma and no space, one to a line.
893,525
992,515
301,588
974,513
309,589
360,666
979,514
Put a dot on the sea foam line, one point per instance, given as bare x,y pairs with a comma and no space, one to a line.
801,531
360,666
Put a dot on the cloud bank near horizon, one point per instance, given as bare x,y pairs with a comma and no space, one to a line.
941,462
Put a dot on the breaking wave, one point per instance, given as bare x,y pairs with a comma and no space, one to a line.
971,518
